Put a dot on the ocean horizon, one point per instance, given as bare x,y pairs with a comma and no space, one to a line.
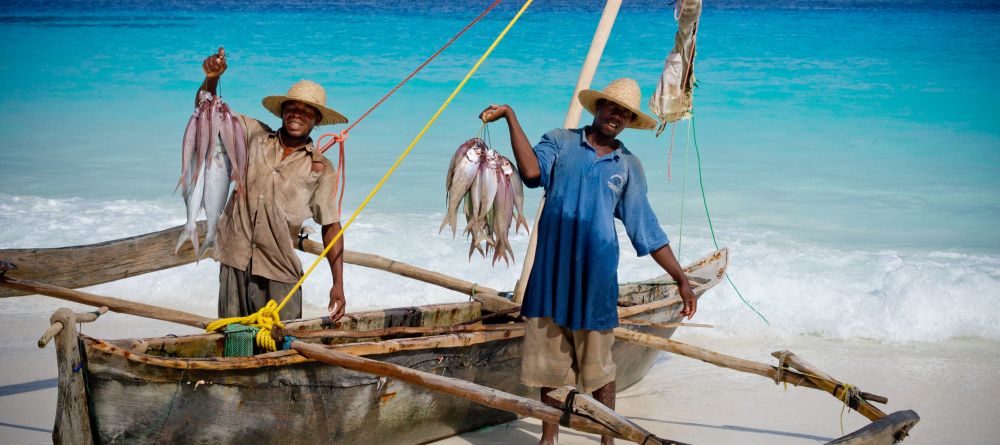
850,151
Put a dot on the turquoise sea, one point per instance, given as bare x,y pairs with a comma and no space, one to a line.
850,150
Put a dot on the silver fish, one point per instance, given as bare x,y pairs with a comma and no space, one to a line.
517,187
188,146
214,152
216,193
473,201
463,173
192,199
488,185
470,144
502,216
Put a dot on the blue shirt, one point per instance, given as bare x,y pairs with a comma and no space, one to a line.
575,275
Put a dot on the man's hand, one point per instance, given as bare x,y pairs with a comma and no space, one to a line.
338,304
494,113
215,64
664,256
690,301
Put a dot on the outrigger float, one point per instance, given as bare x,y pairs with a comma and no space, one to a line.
399,376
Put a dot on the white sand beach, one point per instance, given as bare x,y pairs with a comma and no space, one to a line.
952,385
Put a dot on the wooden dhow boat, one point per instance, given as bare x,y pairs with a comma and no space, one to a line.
184,390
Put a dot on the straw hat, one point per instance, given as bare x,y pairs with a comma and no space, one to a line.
624,92
309,92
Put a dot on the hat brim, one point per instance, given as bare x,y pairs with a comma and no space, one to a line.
642,121
329,115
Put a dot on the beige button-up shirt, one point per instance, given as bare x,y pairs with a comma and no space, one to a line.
259,228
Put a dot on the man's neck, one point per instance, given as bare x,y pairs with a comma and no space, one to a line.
289,142
603,144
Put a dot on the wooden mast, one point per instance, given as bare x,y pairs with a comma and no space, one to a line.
572,121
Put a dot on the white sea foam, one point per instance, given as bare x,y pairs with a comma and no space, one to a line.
802,288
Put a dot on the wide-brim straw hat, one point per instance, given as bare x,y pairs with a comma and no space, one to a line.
624,92
308,92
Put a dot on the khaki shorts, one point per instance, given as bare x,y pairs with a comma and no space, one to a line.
555,356
242,294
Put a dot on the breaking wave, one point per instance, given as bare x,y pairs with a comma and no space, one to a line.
802,288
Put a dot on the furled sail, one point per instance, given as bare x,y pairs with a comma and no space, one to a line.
672,99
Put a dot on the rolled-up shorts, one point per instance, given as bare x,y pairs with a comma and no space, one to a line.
555,356
241,294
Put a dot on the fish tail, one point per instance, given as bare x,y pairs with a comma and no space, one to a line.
190,232
444,223
208,244
180,182
521,221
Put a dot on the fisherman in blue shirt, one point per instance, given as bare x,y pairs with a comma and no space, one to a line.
589,178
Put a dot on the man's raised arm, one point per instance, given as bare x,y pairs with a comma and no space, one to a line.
524,154
213,66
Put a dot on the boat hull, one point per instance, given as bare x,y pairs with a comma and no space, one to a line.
310,402
182,390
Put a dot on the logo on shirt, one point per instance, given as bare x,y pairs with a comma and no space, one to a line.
615,183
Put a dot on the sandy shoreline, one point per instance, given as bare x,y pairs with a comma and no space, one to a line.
951,384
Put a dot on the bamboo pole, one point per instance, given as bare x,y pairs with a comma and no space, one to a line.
664,325
715,358
485,295
629,311
726,361
609,417
572,121
456,387
829,384
402,330
593,59
456,340
113,304
402,269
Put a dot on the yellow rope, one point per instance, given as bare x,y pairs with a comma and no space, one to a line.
268,317
848,392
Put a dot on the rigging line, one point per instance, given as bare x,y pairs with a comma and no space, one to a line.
406,152
687,152
414,73
704,200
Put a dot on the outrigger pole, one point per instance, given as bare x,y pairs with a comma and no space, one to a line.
572,120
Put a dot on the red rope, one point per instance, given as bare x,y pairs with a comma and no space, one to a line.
342,136
338,188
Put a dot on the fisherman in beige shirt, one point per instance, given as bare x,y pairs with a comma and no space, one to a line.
288,180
